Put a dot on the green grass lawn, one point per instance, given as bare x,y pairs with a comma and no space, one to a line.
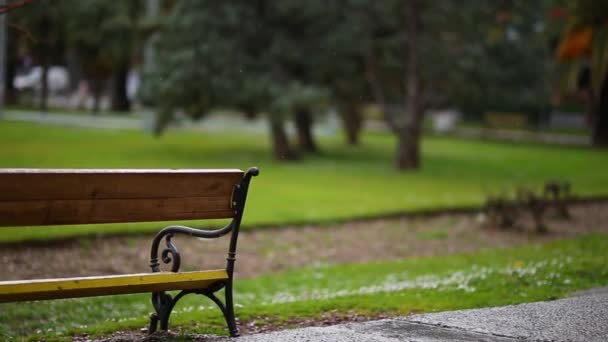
488,278
341,183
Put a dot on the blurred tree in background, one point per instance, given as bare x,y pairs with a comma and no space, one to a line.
41,31
411,56
584,46
293,61
502,60
102,38
245,55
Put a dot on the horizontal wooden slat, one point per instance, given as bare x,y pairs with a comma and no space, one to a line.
32,184
22,290
59,212
47,197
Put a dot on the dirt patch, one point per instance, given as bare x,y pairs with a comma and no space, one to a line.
271,250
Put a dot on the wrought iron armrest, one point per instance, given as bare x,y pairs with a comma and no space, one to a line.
170,255
163,302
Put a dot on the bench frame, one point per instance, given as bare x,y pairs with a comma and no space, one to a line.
163,302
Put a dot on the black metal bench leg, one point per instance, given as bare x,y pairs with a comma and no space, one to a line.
153,323
230,319
155,318
163,304
227,309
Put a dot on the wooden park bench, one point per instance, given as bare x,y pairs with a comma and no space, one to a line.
38,197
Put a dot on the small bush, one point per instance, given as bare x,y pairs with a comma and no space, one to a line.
504,211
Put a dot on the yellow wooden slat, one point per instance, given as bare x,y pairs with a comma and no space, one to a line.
39,289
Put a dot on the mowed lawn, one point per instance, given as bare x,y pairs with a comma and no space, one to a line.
340,183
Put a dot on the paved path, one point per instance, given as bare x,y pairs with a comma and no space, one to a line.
521,135
145,121
581,318
231,123
75,120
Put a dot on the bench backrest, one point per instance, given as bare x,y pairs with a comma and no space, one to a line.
57,197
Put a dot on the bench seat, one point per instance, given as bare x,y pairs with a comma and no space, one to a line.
40,289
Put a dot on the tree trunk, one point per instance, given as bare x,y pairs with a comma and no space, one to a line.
120,101
44,89
351,122
10,93
408,148
375,84
280,143
161,121
250,114
599,136
303,121
97,87
44,51
74,69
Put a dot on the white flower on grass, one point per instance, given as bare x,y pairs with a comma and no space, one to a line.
540,273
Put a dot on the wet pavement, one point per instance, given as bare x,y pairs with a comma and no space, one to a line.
580,318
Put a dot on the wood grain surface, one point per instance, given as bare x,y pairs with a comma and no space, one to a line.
30,197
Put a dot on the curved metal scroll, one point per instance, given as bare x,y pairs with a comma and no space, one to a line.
171,254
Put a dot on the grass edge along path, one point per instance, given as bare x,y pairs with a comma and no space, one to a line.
340,183
489,278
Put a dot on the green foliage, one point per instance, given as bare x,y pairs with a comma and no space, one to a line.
250,56
500,58
39,30
585,13
297,96
470,56
491,278
240,54
342,183
102,32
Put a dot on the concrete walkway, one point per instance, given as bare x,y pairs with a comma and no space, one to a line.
145,121
521,135
75,120
581,318
227,123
